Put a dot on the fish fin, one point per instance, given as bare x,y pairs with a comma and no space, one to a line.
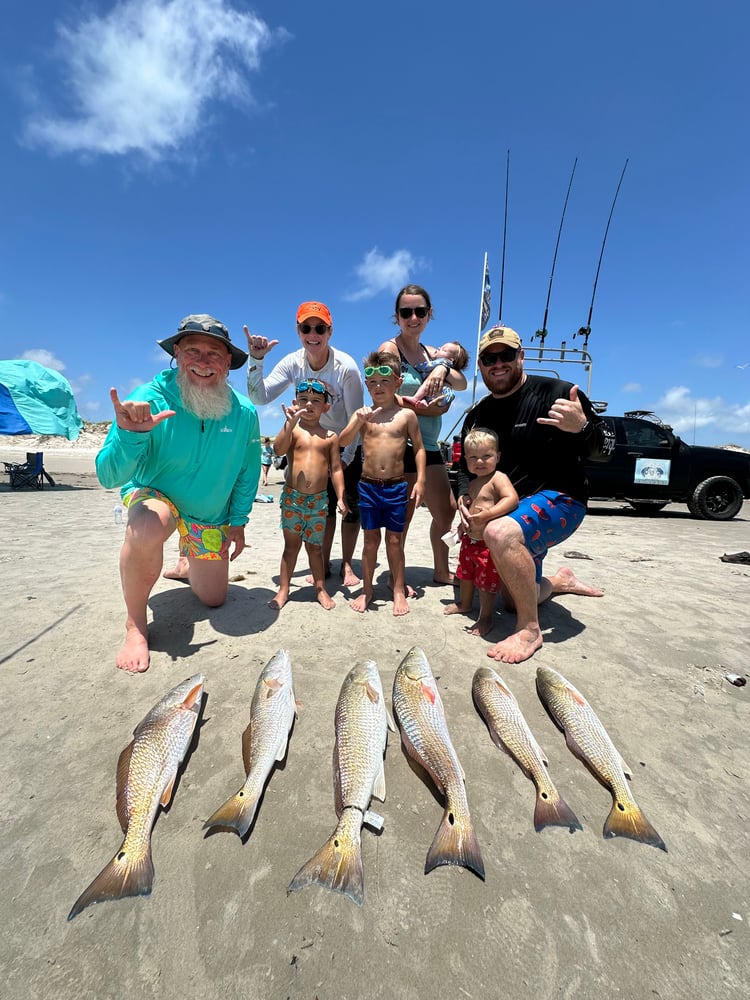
629,820
166,795
372,693
378,789
121,803
551,809
430,692
627,771
246,748
391,724
337,865
272,685
236,814
455,845
194,696
120,878
281,753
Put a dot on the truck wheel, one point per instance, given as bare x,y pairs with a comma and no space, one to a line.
647,507
716,499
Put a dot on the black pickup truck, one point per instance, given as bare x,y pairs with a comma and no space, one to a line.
651,467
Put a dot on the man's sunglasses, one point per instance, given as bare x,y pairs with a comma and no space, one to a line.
419,311
319,328
312,384
492,357
383,370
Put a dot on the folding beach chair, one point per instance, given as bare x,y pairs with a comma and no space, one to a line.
30,473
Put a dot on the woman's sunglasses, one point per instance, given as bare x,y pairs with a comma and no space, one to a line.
308,384
419,311
383,370
492,357
319,328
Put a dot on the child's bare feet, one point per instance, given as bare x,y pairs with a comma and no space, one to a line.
400,605
481,627
134,655
348,576
278,602
179,572
361,603
455,609
325,600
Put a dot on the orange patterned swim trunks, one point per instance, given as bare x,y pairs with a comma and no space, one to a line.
304,514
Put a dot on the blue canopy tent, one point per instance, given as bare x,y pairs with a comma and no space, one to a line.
36,400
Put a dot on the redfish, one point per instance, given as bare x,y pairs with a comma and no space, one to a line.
146,775
424,732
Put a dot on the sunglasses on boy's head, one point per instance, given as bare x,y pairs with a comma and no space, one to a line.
405,312
312,384
319,328
492,357
383,370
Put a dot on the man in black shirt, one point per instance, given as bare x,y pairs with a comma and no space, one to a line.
546,427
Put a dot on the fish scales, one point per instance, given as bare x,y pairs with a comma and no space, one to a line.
264,743
424,732
511,733
589,741
361,726
146,774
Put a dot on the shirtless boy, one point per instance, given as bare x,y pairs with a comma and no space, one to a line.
311,452
385,429
491,495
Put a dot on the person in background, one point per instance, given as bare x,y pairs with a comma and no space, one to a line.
266,460
545,428
339,372
312,454
185,450
412,314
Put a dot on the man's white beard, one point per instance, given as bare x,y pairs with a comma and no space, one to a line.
211,402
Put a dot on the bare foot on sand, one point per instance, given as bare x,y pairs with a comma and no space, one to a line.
278,602
361,603
481,627
517,647
325,600
449,581
134,655
565,581
409,592
455,609
180,571
349,577
311,579
400,605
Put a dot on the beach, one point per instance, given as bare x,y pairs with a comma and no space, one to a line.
559,915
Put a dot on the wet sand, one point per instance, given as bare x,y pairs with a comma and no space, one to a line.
559,915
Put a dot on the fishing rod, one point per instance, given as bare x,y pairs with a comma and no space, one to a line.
541,334
586,330
505,234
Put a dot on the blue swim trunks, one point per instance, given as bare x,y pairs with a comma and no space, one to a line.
304,514
546,519
197,540
382,503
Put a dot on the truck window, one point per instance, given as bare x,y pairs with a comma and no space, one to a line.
642,434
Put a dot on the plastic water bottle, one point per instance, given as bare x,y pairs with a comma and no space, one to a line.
117,511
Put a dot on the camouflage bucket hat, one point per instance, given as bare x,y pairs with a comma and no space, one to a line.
209,327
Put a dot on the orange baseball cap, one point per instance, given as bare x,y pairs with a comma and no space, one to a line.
308,310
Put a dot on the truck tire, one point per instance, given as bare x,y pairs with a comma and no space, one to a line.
716,499
646,508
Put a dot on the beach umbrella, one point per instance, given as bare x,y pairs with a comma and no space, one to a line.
36,400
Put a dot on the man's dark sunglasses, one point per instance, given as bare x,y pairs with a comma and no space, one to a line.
419,311
492,357
319,328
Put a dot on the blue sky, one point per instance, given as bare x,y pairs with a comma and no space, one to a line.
163,158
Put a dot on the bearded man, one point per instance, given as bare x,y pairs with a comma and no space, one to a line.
185,450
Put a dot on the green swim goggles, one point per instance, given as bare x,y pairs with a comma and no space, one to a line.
383,370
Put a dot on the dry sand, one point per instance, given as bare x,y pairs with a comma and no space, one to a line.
560,915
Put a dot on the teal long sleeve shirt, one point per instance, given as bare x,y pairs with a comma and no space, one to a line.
209,469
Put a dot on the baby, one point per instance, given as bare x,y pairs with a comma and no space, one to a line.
452,355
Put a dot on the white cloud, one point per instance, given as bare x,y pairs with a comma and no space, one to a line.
378,273
709,360
140,77
686,413
43,357
632,387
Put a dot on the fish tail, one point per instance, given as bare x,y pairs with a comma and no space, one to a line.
455,844
627,819
125,875
338,864
551,809
236,814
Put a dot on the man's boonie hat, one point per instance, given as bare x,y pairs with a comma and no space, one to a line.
208,327
503,336
308,310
